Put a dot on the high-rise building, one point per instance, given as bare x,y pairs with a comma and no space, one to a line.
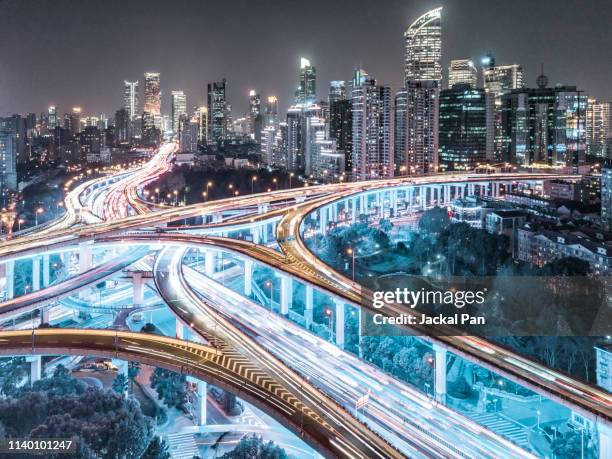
462,141
341,121
130,99
544,125
122,126
306,92
152,94
606,196
462,71
422,77
179,108
72,121
424,48
8,165
52,119
268,145
372,155
255,118
201,114
399,131
295,159
217,111
498,80
598,124
271,118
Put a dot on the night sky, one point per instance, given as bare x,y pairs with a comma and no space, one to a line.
78,52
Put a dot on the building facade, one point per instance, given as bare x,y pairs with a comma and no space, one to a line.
179,108
598,132
217,111
462,71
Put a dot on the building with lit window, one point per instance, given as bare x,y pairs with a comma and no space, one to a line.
152,93
462,71
179,108
8,165
544,125
371,128
341,121
306,92
498,80
422,78
254,117
201,114
271,115
217,111
598,132
462,141
606,196
130,99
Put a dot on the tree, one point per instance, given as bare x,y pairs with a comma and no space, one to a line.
158,449
434,220
170,387
385,225
254,447
120,384
133,371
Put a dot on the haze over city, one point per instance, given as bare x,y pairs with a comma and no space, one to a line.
68,53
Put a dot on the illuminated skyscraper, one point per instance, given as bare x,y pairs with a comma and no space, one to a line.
372,154
306,92
337,91
217,111
152,94
8,164
498,80
606,196
295,159
424,48
52,120
255,119
341,121
598,123
130,99
179,107
423,76
399,131
462,71
202,117
271,117
462,127
544,125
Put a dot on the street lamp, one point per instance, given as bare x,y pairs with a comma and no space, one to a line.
290,177
253,180
275,183
20,222
157,191
271,287
330,314
208,185
351,252
40,210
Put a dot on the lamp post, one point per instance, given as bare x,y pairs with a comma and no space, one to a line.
275,183
40,210
351,252
157,192
330,314
208,185
290,177
253,180
271,287
20,222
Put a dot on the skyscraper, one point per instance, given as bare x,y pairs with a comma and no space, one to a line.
52,120
306,92
341,121
462,71
544,125
152,94
294,139
423,76
130,99
372,155
399,131
606,196
201,114
255,119
8,165
462,127
122,126
424,48
217,111
498,80
179,107
271,118
598,123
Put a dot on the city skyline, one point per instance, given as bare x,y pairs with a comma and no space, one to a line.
184,65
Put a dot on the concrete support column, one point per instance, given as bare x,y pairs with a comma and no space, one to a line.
440,373
379,204
447,194
264,233
256,234
9,273
209,262
354,210
286,294
309,305
323,221
604,433
217,218
85,257
44,315
137,288
394,202
35,367
262,208
362,204
471,189
46,267
248,277
422,197
339,323
202,400
36,273
333,212
122,369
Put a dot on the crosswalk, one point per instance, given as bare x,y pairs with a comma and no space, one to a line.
505,427
182,446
